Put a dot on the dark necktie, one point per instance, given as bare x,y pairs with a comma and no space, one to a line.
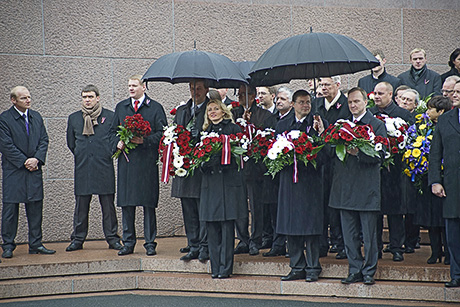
136,105
298,124
27,123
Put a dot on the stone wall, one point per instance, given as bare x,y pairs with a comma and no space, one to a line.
55,47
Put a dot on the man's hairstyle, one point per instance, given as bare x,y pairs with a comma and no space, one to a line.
360,90
205,82
90,88
214,95
14,91
440,103
452,78
287,90
402,88
137,77
250,89
417,50
453,56
387,85
417,95
300,93
336,79
378,52
222,106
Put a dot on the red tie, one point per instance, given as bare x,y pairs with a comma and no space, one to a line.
136,105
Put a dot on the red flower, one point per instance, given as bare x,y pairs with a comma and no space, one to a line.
285,150
206,141
173,111
235,104
263,152
335,136
394,150
327,139
208,148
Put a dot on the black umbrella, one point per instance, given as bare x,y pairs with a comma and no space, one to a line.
311,55
182,67
245,67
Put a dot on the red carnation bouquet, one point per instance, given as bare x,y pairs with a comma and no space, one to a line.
261,142
397,137
133,126
345,135
175,152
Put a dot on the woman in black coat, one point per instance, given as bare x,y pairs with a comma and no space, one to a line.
222,198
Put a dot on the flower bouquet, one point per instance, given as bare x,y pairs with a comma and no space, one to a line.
370,100
418,149
345,135
261,142
133,126
212,143
175,152
397,137
288,149
234,104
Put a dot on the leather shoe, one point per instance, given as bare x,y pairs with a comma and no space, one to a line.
223,276
266,244
334,249
287,255
116,246
274,253
241,248
387,249
7,253
397,256
150,251
341,255
126,250
311,278
409,250
368,280
453,283
294,275
203,256
73,247
185,250
189,256
214,276
42,250
253,251
352,278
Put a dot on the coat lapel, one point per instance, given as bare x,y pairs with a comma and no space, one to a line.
453,120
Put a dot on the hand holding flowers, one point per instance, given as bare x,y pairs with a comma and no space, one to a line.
132,133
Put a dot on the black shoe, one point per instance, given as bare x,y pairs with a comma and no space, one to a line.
253,251
214,276
409,250
434,258
150,251
266,244
73,247
341,255
7,253
274,253
294,275
203,256
311,278
368,280
241,248
189,256
223,276
380,255
116,246
334,249
352,278
322,253
387,249
42,250
447,260
287,255
417,245
126,250
398,256
185,250
453,283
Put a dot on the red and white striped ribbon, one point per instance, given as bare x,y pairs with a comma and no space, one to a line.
166,160
226,149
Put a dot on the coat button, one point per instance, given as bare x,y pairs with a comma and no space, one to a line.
212,172
220,171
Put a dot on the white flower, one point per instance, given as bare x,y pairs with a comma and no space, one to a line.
397,133
178,161
168,140
378,147
181,172
387,155
272,154
245,158
402,145
294,134
371,96
169,132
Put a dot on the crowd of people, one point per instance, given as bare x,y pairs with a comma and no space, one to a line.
335,207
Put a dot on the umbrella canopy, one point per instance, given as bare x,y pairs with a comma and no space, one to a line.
182,67
311,55
245,67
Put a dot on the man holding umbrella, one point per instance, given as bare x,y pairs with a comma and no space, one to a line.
188,188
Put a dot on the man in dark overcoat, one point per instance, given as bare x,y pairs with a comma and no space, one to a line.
87,139
191,115
253,173
23,144
393,180
356,193
138,181
443,176
300,204
331,106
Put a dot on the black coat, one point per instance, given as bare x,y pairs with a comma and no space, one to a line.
300,205
429,82
94,172
189,186
356,183
339,110
223,196
452,72
368,82
19,184
137,180
446,145
396,187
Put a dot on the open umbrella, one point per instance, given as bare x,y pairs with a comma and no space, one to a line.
245,67
183,67
311,55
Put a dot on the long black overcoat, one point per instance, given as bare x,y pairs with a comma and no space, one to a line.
394,182
19,184
356,183
223,196
189,186
137,180
93,172
368,82
428,83
445,148
300,205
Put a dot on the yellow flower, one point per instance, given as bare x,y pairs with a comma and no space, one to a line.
407,154
424,160
417,144
430,137
416,152
420,139
422,127
412,165
418,116
407,172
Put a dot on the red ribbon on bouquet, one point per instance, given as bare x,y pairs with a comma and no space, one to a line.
166,160
295,173
226,149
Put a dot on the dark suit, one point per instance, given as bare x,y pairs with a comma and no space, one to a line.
19,184
138,181
188,188
93,174
359,203
368,82
427,83
445,149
